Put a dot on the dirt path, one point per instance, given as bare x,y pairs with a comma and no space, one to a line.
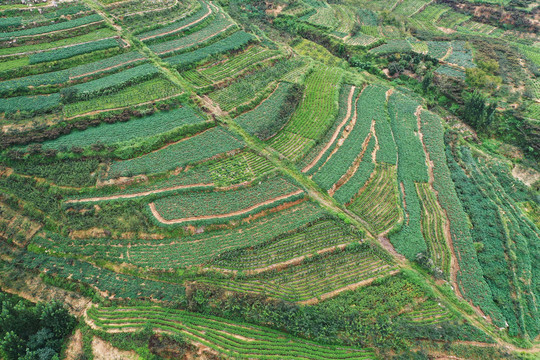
140,194
162,220
213,107
336,133
354,286
208,6
57,31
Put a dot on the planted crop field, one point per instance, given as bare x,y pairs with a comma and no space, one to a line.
106,281
267,118
243,167
409,7
461,55
262,180
378,202
450,19
114,83
214,205
434,225
62,77
189,250
40,30
98,34
146,92
315,277
235,340
324,16
236,41
290,145
411,169
438,49
361,39
343,161
393,46
138,128
232,67
218,26
317,110
71,51
245,89
181,25
189,180
451,71
321,235
191,150
469,275
318,52
30,104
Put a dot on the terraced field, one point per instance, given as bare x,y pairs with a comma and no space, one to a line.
233,339
263,180
377,202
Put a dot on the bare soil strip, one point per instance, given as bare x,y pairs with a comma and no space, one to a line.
336,133
162,220
140,194
454,264
354,286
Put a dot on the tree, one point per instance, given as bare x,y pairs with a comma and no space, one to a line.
426,81
477,112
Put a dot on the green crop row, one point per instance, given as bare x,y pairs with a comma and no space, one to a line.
196,39
470,275
149,91
106,281
179,26
314,277
244,90
111,83
312,237
30,104
138,128
318,109
236,41
411,169
194,149
188,250
67,52
235,340
197,204
378,202
369,107
433,228
66,25
267,118
231,67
